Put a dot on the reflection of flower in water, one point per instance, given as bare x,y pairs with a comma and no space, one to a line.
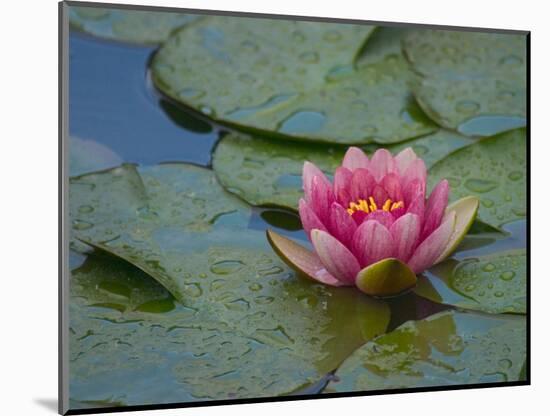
374,227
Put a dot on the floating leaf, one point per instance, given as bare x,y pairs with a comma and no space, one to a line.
473,82
493,170
449,348
134,214
247,327
289,79
266,172
133,26
495,283
88,156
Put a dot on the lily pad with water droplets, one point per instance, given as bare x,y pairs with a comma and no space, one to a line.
287,79
496,283
492,169
135,213
246,327
267,172
473,82
132,26
449,348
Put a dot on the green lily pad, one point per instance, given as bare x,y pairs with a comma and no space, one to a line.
133,26
493,170
473,82
449,348
89,156
134,214
290,80
267,172
247,327
496,283
388,277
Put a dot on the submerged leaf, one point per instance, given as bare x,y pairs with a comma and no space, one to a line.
449,348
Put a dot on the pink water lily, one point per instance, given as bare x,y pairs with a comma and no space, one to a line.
374,226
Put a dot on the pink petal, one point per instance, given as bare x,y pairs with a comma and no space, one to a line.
439,198
381,164
342,185
404,159
355,158
379,195
412,190
301,259
392,185
362,184
322,198
309,171
383,217
417,206
336,258
405,232
309,218
415,171
431,248
341,224
372,242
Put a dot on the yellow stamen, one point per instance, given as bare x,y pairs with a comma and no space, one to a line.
373,206
370,206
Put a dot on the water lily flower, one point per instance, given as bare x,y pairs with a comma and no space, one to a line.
374,227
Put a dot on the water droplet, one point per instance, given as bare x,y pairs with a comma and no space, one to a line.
487,203
270,271
264,300
146,213
505,363
339,72
303,122
480,185
511,60
206,110
255,287
332,36
309,57
277,335
226,266
470,288
467,107
192,289
238,305
85,209
506,95
82,225
515,175
499,294
508,275
191,93
489,267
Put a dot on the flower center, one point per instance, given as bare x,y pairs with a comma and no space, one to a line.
370,205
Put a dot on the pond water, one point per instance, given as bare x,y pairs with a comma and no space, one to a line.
113,102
